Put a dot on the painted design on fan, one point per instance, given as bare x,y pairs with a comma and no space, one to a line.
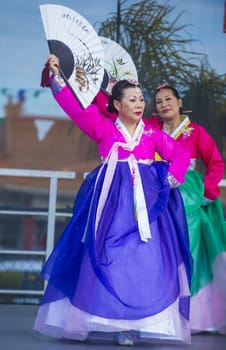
78,22
86,66
118,64
75,42
117,72
89,65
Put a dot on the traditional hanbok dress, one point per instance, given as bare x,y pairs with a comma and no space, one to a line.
123,261
207,226
206,222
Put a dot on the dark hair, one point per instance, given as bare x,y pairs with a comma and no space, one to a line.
167,86
117,92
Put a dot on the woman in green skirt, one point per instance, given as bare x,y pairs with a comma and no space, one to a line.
206,223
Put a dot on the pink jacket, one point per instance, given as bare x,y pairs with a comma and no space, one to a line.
105,133
195,140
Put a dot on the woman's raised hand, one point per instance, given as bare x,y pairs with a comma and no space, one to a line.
54,64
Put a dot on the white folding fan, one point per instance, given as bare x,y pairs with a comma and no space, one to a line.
118,64
75,42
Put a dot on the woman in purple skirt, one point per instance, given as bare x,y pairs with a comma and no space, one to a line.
122,264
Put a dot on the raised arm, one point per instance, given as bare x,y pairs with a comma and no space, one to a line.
101,101
89,120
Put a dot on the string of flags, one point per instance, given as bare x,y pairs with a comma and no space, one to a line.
21,94
33,101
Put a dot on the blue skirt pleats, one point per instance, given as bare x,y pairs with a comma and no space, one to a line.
112,273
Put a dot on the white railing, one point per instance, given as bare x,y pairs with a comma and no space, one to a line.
51,214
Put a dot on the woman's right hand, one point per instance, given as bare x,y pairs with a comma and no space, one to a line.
54,64
80,78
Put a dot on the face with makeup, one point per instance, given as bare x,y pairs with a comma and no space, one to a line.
167,104
131,105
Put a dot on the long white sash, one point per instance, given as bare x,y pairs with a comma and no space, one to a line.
140,203
139,198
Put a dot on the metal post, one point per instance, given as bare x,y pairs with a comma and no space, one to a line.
118,20
51,215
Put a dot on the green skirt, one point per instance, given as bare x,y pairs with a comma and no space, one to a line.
207,229
207,234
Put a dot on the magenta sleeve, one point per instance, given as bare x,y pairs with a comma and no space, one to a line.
101,101
213,161
174,153
89,120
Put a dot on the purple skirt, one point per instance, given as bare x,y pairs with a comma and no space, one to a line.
115,275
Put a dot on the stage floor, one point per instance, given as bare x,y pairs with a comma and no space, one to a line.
16,332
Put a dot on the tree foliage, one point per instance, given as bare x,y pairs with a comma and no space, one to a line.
206,97
161,48
158,44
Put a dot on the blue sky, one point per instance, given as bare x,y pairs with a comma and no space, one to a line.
23,48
